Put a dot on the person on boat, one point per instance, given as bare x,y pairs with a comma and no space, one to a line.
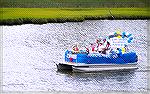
126,48
104,42
101,48
98,41
93,48
75,49
87,50
107,46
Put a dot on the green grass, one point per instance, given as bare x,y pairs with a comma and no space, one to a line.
11,16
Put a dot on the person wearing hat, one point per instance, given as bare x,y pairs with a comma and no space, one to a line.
75,49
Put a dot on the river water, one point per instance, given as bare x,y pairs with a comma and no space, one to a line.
31,51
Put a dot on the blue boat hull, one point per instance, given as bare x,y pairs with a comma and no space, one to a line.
96,58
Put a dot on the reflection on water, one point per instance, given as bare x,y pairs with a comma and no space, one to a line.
118,76
29,53
116,79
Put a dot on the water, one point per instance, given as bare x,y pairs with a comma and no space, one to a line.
29,53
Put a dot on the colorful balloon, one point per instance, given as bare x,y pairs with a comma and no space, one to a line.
129,35
119,36
115,33
123,50
125,45
129,41
118,32
131,38
123,34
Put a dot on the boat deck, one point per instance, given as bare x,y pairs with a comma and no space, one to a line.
81,67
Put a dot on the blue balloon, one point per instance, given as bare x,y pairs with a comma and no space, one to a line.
125,45
131,38
129,41
123,33
123,36
129,35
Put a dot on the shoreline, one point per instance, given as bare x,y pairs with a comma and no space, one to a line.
40,21
18,16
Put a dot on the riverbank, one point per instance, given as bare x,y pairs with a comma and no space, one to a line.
17,16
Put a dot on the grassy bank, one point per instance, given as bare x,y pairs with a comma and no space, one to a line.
12,16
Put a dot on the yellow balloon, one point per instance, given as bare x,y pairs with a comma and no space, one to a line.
119,36
118,32
123,50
